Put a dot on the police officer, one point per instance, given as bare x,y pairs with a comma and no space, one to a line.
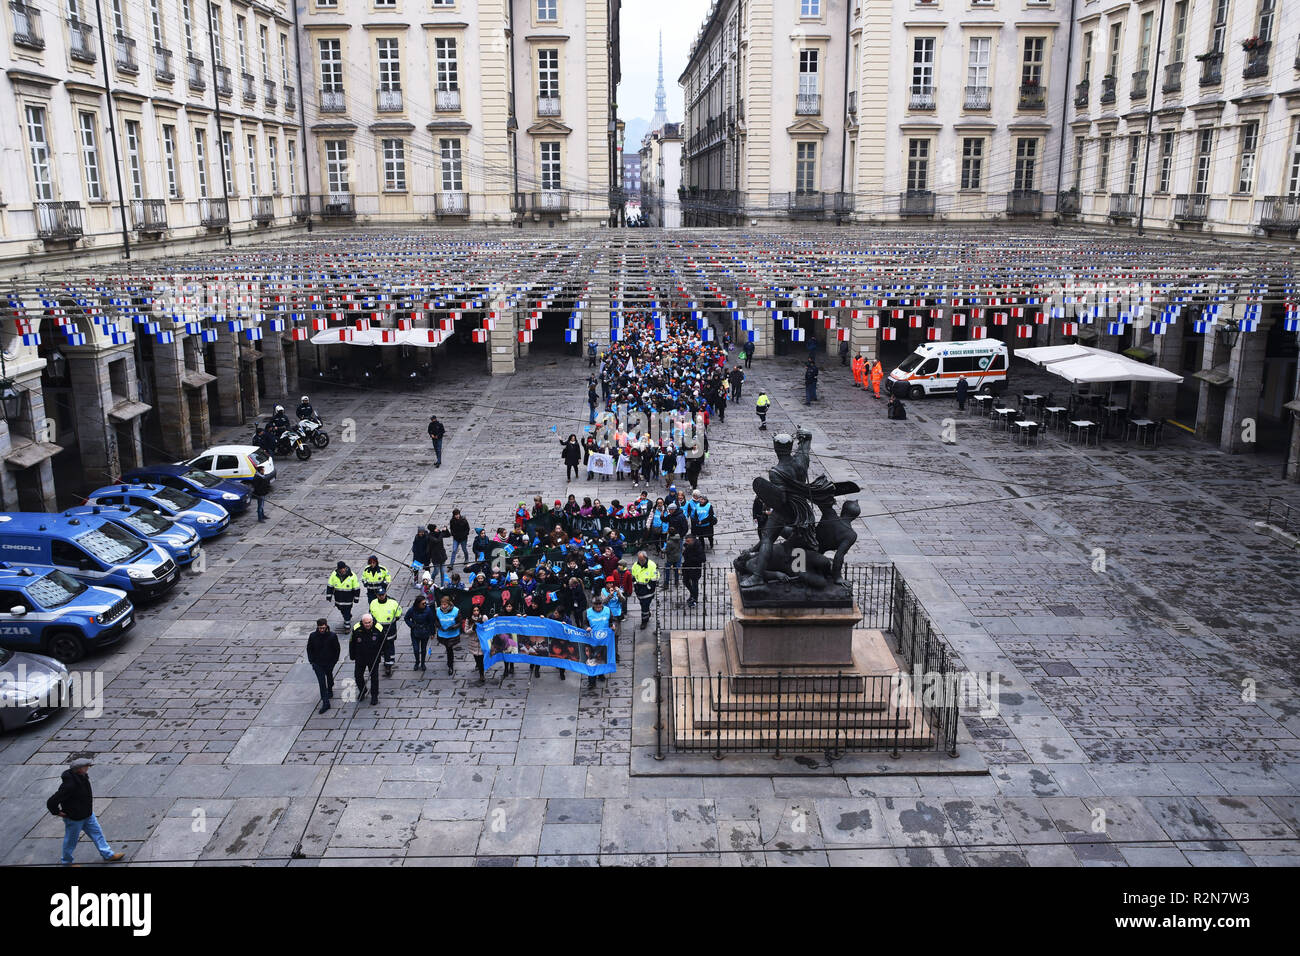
364,650
343,589
374,576
279,420
387,613
305,411
645,574
761,407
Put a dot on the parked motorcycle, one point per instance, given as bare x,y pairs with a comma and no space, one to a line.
294,437
313,429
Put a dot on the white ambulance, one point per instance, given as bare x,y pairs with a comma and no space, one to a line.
936,367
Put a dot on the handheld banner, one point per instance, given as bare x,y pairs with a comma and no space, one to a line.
543,641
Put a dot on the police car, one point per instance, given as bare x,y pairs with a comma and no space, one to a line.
176,538
45,610
208,519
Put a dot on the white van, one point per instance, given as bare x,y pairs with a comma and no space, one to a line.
936,367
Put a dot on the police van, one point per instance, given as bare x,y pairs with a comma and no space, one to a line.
936,367
176,539
43,609
90,548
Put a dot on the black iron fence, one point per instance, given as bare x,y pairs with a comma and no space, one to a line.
915,710
1282,516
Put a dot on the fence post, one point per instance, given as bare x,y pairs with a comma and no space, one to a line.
717,734
659,712
839,697
777,755
898,695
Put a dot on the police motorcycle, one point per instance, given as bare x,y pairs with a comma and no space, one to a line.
279,437
309,423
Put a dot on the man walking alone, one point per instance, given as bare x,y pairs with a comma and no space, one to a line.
436,431
322,655
74,801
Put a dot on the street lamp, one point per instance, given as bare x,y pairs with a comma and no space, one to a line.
1228,335
58,365
12,399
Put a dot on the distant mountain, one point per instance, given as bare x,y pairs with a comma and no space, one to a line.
636,130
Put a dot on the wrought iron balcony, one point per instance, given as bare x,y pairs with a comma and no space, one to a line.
916,202
808,203
333,100
1138,85
337,205
213,213
58,220
548,105
1081,91
519,203
389,99
1280,214
807,104
1211,68
149,215
843,203
920,98
81,37
1123,205
302,207
448,100
27,26
1173,78
977,98
194,74
1257,61
451,202
1025,202
1032,96
263,210
290,98
550,200
162,65
268,93
1191,207
853,102
225,84
248,87
124,53
1107,90
1068,202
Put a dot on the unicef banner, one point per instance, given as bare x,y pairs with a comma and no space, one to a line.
540,640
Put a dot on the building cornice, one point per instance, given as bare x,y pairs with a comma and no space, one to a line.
447,25
548,128
334,128
449,126
34,79
392,126
386,26
546,38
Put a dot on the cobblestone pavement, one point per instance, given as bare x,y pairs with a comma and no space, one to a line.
1125,693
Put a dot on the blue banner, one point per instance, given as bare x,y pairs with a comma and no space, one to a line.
543,641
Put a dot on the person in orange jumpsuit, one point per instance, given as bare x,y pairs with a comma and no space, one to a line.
877,373
858,369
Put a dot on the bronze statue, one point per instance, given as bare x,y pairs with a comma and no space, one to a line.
792,538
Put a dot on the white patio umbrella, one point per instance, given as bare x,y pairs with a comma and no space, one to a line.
1047,354
1109,367
331,337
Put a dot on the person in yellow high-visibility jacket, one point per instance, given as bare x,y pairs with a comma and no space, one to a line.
387,613
877,373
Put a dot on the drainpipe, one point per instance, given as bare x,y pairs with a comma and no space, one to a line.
1065,107
220,144
1151,115
844,122
512,125
112,131
302,112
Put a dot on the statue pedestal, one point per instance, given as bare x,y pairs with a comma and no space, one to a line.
792,636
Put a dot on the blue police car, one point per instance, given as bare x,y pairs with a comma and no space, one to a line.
207,519
43,609
234,496
176,538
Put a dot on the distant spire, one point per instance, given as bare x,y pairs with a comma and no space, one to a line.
660,118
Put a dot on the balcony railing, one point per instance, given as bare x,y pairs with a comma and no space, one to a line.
853,103
1138,85
977,97
27,26
920,98
1191,207
1107,90
263,209
333,101
1280,214
124,55
290,98
1025,202
248,87
447,101
1081,91
194,74
1123,205
1032,96
213,212
548,105
268,93
81,38
1257,61
916,202
225,83
1211,68
550,200
149,215
1068,202
452,202
806,203
337,205
388,99
58,220
519,203
843,203
302,207
807,104
1173,78
162,65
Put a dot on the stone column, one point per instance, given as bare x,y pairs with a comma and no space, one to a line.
8,483
273,366
761,320
865,342
1162,399
230,400
169,394
502,341
1210,406
1241,404
252,401
289,355
92,396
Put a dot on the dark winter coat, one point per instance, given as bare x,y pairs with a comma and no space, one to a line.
693,555
365,644
74,796
572,453
420,548
459,528
322,648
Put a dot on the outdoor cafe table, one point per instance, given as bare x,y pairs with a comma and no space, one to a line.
1114,414
1004,416
1085,430
1025,428
982,402
1056,416
1141,427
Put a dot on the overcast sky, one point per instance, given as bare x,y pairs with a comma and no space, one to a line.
639,24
